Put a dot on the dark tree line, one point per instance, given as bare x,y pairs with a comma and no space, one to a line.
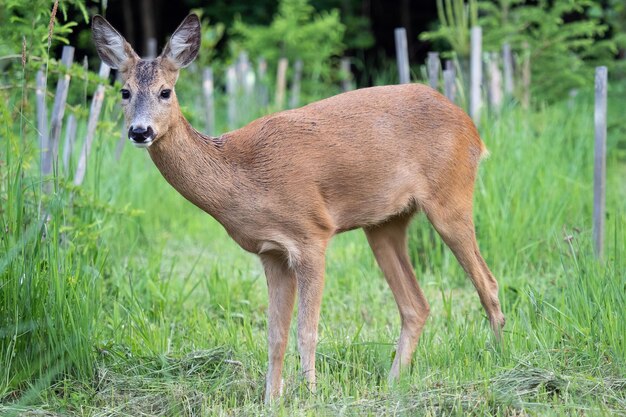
369,23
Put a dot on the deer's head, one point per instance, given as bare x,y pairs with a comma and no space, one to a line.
148,96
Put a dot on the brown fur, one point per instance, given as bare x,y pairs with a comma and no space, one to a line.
285,184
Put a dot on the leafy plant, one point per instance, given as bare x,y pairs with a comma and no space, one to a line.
296,32
614,13
456,18
564,42
29,23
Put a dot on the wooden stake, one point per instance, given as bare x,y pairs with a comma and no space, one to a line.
526,77
449,81
92,123
295,86
495,82
507,66
281,83
433,64
209,103
599,175
402,56
476,73
449,84
231,91
42,115
70,135
262,93
151,48
245,76
121,142
51,152
347,81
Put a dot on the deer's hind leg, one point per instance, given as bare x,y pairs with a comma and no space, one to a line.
453,221
389,244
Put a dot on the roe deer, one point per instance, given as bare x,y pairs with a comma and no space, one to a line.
283,185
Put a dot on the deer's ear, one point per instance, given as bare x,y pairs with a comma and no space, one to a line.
184,44
111,46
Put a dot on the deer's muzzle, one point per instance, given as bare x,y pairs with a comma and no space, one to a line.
141,136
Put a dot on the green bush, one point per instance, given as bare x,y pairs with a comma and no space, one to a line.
563,41
562,37
28,24
296,32
456,18
615,15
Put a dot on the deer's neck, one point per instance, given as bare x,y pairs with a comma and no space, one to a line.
195,165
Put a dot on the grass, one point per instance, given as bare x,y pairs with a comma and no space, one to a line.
122,299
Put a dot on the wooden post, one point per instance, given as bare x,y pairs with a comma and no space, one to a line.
281,83
70,135
571,99
476,74
599,175
151,48
231,91
262,93
209,103
507,66
241,67
449,84
85,68
56,121
526,77
347,78
42,115
245,76
495,82
433,64
402,56
92,123
295,86
121,142
449,81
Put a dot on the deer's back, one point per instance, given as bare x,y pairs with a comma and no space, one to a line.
360,156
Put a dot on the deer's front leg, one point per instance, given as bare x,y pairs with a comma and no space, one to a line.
281,284
310,278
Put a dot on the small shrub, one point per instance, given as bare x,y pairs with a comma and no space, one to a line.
296,32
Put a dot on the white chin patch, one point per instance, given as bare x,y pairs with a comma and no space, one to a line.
142,144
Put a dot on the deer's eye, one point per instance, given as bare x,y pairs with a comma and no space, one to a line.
166,93
125,94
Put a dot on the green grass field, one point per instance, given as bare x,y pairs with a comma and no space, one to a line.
122,299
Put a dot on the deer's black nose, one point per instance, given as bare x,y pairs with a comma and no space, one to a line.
140,134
